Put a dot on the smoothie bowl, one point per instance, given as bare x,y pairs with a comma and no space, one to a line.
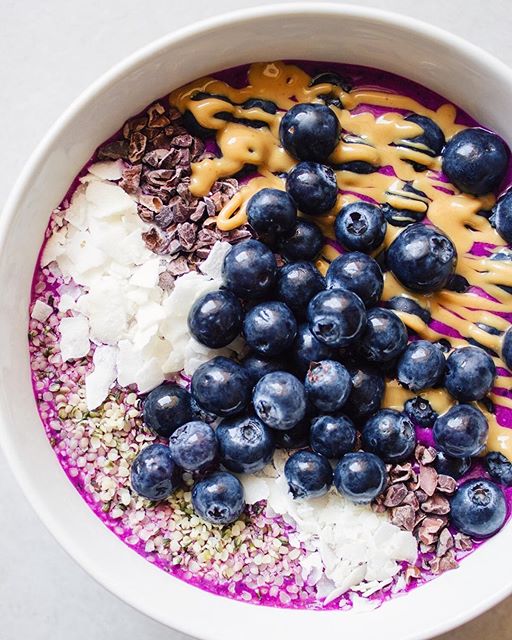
268,303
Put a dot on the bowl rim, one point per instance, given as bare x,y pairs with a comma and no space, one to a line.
130,62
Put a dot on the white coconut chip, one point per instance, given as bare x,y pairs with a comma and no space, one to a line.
108,170
41,311
102,251
347,546
146,275
76,213
54,247
149,375
312,568
212,266
99,381
74,337
255,489
109,200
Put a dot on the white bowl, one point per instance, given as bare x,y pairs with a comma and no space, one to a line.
457,70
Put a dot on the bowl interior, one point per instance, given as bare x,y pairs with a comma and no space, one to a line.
456,70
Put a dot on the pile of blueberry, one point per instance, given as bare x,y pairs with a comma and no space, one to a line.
320,349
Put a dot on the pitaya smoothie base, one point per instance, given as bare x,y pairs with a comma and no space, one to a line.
45,286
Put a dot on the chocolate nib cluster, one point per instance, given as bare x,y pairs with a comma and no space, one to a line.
417,498
157,152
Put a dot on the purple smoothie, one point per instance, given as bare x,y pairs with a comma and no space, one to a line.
45,357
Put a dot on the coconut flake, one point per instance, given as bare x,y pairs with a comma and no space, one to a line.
101,250
212,266
255,488
109,170
128,363
98,383
312,568
146,275
149,375
355,547
76,213
54,247
74,337
41,311
109,200
107,310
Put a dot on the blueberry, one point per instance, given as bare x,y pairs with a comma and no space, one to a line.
221,386
194,446
280,400
272,213
461,432
295,438
154,473
360,226
457,283
219,498
331,77
432,139
307,349
166,408
193,127
502,216
249,269
305,243
367,392
270,328
309,131
502,254
358,273
401,217
470,373
404,217
385,336
422,258
312,187
475,160
444,345
506,348
308,474
420,412
205,95
297,283
408,305
332,436
258,103
360,476
215,319
337,317
357,166
246,444
328,385
492,330
478,508
421,365
454,467
390,435
256,366
499,467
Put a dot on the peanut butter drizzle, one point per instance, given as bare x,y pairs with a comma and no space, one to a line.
373,139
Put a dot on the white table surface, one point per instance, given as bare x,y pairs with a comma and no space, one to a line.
50,50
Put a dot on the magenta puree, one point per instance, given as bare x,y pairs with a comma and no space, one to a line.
46,286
